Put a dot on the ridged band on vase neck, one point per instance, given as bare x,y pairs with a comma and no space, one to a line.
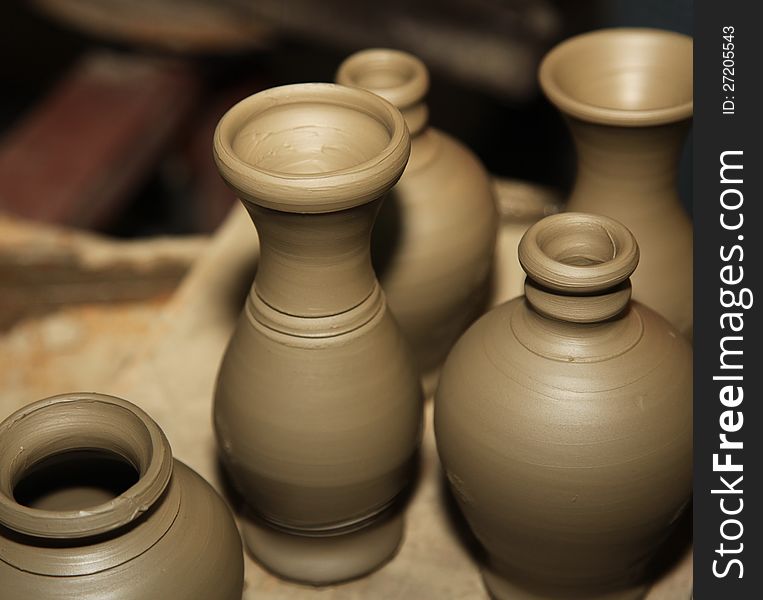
315,328
397,76
311,148
81,421
629,77
578,266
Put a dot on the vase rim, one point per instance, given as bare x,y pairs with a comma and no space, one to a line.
73,422
578,253
407,79
329,190
576,53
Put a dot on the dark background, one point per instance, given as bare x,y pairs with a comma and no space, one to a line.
715,133
498,113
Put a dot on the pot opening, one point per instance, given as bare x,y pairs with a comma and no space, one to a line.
578,253
630,71
310,138
397,76
74,465
586,244
75,480
383,76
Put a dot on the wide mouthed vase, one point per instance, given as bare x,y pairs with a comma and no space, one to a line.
93,506
564,421
433,242
318,405
627,97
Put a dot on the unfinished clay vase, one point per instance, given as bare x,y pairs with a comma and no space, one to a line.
627,97
92,505
564,421
318,405
433,243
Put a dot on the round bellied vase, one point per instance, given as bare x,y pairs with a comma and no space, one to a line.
433,242
564,421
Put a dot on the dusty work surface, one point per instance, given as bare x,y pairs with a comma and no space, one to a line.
163,354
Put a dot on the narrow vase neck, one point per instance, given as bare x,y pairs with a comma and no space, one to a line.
578,308
626,165
416,119
314,265
424,146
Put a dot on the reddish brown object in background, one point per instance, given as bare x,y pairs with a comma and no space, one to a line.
75,158
210,199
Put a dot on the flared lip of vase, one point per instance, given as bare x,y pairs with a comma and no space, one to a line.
663,48
313,192
81,421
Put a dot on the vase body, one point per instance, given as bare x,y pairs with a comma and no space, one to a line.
564,421
627,97
433,242
168,535
318,405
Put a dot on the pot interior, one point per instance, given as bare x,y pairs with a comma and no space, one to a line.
586,244
310,138
630,70
75,480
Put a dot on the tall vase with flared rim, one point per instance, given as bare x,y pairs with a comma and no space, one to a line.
564,421
317,407
92,500
627,97
433,242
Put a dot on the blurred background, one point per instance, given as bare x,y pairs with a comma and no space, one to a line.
108,106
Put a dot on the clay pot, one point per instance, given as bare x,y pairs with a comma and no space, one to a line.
433,243
627,97
92,504
564,421
318,405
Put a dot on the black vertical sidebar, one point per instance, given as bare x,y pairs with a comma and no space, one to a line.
728,296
